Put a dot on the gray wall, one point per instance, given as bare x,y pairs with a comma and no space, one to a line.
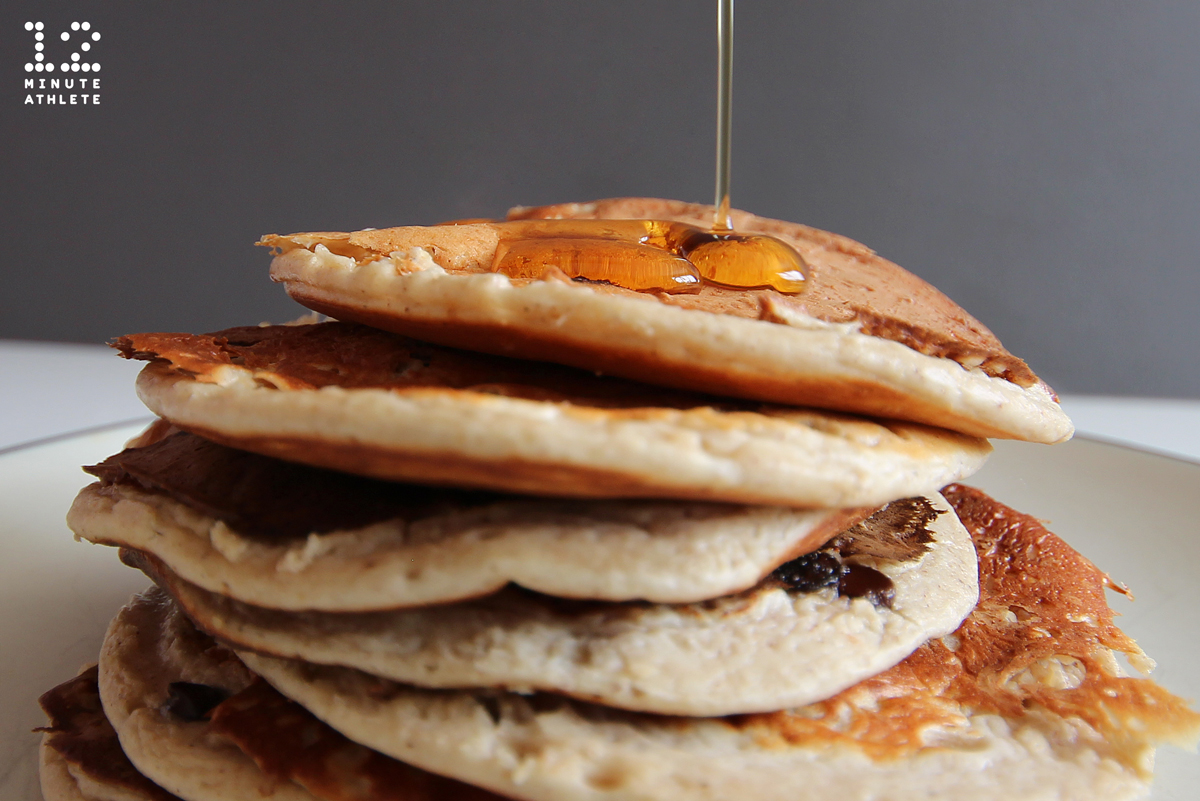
1038,161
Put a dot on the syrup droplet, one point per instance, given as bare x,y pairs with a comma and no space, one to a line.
740,261
647,255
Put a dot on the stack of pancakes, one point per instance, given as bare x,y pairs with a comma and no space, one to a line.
538,538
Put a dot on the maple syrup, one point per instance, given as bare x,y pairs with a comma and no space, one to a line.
604,251
628,264
739,261
647,255
722,223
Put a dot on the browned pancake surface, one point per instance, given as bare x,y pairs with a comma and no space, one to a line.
1038,599
276,502
214,384
81,733
351,356
289,743
271,500
846,282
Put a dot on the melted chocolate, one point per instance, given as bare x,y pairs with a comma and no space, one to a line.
860,581
825,568
82,735
271,500
897,532
192,702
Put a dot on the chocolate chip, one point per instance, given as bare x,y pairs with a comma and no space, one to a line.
192,702
491,705
810,572
860,581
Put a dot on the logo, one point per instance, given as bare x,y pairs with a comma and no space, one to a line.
75,47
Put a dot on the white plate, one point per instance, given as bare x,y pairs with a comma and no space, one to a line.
1130,512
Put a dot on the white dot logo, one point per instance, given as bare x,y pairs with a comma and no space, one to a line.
45,50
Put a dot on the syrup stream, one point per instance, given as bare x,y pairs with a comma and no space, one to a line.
655,255
721,221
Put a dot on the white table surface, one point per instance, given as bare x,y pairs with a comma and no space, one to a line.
48,389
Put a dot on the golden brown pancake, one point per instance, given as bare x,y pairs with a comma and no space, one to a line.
365,401
864,336
288,536
813,627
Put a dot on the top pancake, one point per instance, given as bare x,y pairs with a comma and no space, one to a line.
865,336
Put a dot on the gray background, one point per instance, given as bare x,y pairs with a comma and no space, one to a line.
1038,161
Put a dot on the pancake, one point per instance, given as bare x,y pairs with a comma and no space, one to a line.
189,715
80,756
365,401
1024,700
286,536
864,336
145,650
805,633
63,781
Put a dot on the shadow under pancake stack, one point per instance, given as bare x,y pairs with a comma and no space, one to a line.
527,523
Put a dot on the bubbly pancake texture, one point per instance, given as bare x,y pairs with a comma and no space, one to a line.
288,536
865,336
189,714
1024,700
795,638
365,401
